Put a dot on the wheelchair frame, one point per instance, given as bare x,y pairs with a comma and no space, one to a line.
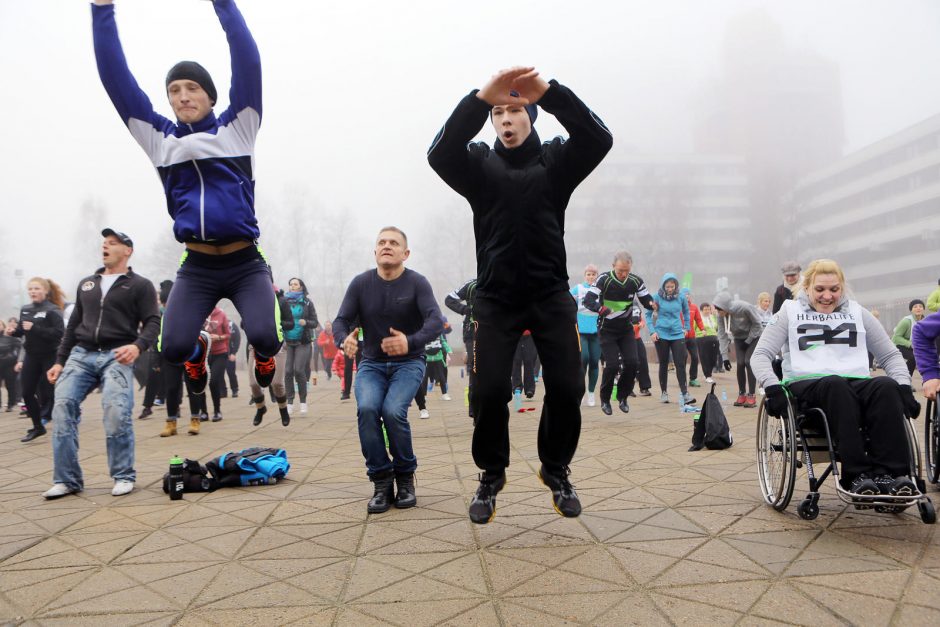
932,441
787,443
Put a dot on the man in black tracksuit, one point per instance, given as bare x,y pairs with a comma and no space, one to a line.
461,301
612,296
518,191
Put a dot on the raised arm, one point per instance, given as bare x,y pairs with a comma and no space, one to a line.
589,140
128,98
245,91
451,154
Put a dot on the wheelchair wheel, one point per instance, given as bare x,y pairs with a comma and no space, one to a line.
776,457
932,441
917,460
927,512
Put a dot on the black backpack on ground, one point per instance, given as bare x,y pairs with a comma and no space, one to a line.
711,428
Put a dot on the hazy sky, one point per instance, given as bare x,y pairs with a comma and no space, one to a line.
355,91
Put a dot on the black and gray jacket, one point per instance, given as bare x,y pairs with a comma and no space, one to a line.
46,333
461,301
127,314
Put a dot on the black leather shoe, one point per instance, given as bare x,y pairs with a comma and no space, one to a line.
384,494
624,406
32,434
405,497
605,407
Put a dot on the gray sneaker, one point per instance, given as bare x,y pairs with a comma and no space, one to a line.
664,397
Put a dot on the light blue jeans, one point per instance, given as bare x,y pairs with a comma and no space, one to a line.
383,393
83,371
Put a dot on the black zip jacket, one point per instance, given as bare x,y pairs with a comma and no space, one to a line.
619,297
461,301
519,196
128,314
44,337
9,350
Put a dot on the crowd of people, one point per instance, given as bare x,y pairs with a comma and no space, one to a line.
388,342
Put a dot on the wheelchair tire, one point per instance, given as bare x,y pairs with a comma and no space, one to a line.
808,509
927,512
932,441
776,457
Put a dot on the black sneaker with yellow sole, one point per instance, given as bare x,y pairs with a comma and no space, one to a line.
564,498
483,505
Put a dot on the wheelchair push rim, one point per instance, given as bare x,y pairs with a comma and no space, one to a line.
776,457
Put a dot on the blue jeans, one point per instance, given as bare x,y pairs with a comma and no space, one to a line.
383,393
82,373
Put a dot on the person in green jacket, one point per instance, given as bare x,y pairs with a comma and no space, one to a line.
933,301
436,357
707,341
902,332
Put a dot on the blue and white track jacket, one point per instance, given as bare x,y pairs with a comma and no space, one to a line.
207,168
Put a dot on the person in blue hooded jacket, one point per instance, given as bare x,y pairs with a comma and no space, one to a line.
667,330
206,166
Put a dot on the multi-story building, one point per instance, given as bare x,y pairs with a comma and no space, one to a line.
686,214
877,212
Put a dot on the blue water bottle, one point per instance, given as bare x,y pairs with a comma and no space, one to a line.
517,400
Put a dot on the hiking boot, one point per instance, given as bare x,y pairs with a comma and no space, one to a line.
564,498
194,426
645,392
664,397
741,400
384,494
625,406
282,407
168,429
863,486
196,374
694,383
750,401
145,413
605,407
264,370
483,505
405,497
259,411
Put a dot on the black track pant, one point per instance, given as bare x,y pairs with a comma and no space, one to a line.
217,379
173,386
553,322
523,366
156,384
692,349
677,349
742,355
643,366
708,350
37,391
618,350
8,380
856,408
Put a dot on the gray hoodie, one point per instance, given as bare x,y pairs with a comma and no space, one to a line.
743,323
775,339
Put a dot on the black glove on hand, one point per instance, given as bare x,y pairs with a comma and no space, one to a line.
727,365
911,406
775,399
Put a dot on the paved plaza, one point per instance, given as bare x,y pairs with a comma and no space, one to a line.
667,537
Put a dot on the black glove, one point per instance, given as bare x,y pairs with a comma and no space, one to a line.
775,400
727,365
911,406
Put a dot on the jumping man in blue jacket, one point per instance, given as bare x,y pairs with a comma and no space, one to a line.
206,166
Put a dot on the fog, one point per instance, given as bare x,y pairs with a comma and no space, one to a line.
354,92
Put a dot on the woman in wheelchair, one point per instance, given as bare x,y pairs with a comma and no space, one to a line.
825,338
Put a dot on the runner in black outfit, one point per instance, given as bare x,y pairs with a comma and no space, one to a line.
518,191
461,301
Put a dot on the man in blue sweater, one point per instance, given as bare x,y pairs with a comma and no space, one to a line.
398,314
206,166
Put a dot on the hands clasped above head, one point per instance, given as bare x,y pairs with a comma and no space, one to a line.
519,85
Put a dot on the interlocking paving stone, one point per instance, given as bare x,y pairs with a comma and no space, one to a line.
666,537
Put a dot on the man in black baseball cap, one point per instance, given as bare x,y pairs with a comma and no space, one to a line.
124,238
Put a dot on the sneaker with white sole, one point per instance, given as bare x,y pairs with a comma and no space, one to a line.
58,490
591,400
122,487
425,413
709,380
303,408
664,397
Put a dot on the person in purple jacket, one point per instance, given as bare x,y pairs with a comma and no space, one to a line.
924,342
396,310
206,166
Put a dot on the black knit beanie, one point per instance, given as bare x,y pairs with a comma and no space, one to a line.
916,301
192,71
